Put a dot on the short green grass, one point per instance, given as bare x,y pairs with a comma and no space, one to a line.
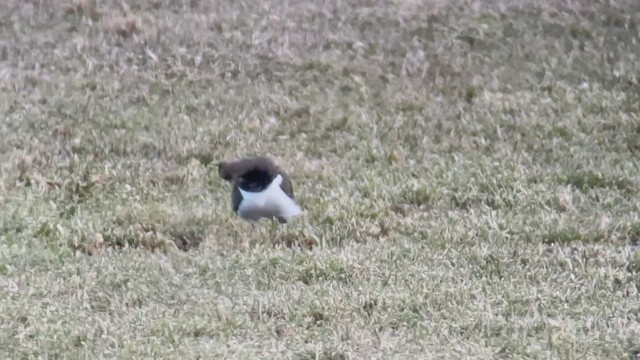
469,171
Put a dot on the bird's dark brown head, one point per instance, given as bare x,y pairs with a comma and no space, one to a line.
231,170
251,167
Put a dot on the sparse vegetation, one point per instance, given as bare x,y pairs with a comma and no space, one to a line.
469,171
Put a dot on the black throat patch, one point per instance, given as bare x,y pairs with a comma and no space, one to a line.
255,180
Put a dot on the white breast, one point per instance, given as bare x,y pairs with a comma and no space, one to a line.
271,202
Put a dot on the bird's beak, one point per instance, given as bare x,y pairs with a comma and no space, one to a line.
222,171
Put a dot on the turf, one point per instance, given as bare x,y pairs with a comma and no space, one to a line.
468,170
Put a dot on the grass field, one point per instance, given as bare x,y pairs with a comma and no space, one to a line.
469,171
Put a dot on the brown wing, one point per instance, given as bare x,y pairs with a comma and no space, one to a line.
236,196
286,184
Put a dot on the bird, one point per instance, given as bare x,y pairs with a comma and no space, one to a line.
260,189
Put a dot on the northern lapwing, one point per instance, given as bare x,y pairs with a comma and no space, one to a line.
260,189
